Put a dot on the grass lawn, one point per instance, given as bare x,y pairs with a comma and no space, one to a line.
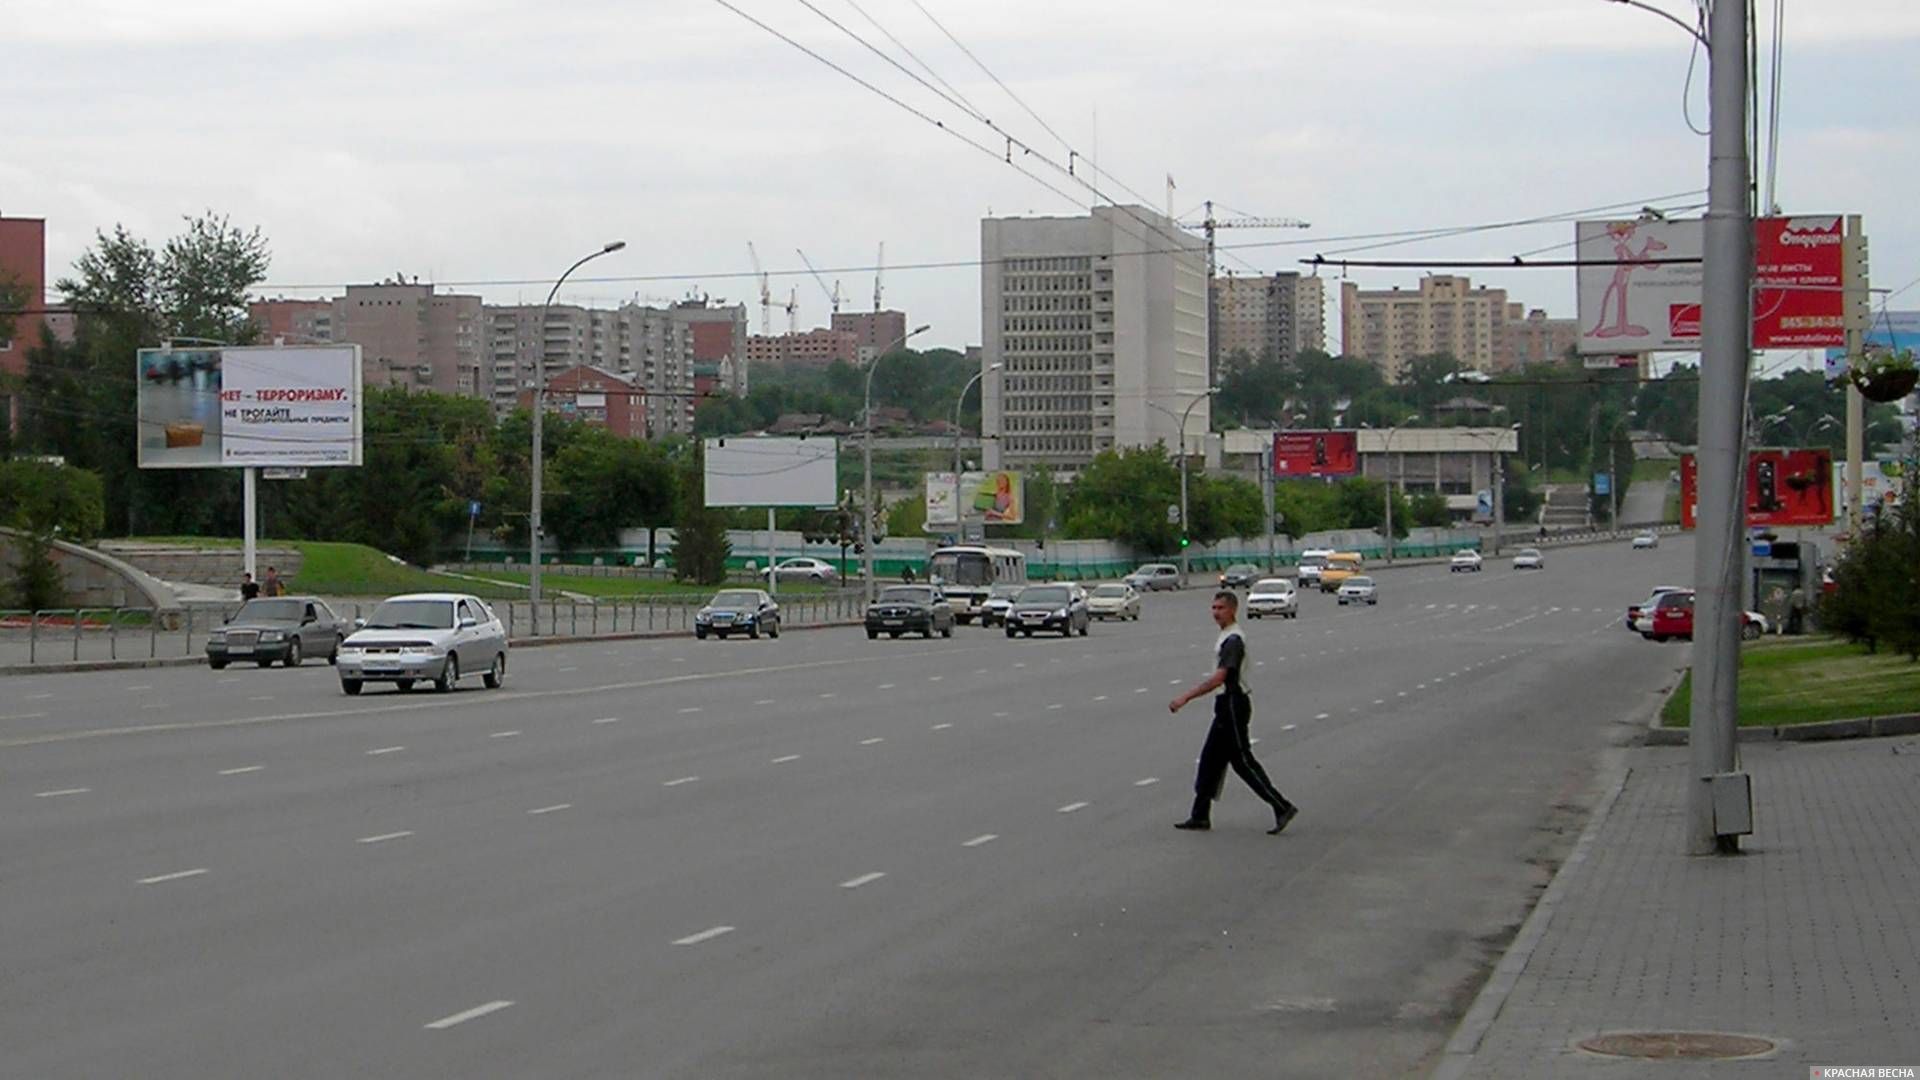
1671,514
331,569
1807,680
623,587
1653,470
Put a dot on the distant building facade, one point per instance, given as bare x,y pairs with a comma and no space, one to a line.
1099,325
23,269
410,336
1447,314
1538,338
607,399
872,330
297,321
1258,316
806,349
717,337
647,346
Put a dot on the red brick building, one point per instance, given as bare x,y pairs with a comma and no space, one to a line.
299,321
23,267
810,348
598,397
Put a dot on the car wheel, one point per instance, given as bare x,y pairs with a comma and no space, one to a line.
405,685
754,631
948,632
1253,614
1749,632
496,672
217,665
350,687
873,635
816,578
773,629
293,653
1010,633
333,658
264,663
699,634
449,675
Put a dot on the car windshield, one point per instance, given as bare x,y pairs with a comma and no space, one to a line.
961,568
1313,560
1463,553
1151,569
906,594
1268,585
1110,590
412,615
1045,594
271,610
1360,582
738,598
1005,592
1529,553
1243,568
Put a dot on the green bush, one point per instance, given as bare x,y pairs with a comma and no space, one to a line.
1876,600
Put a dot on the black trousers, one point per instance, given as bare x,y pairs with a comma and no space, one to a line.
1228,747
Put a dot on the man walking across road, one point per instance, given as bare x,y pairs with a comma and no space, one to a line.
1227,743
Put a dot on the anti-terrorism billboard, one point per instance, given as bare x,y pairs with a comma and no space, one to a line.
229,407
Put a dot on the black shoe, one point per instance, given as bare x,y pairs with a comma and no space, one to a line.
1281,819
1194,824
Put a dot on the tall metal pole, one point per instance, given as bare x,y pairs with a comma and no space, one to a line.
1185,532
959,515
1726,328
1857,305
1266,493
866,465
250,517
538,463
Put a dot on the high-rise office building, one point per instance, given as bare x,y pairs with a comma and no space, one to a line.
1260,316
1446,315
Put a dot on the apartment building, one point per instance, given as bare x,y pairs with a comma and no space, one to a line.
410,335
598,397
1099,324
717,335
872,330
1447,314
1538,338
298,322
816,348
649,347
23,271
1258,316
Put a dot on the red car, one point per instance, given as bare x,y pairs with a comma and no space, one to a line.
1673,618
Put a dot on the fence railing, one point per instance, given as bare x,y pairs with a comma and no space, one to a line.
73,635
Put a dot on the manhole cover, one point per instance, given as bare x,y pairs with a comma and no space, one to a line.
1666,1045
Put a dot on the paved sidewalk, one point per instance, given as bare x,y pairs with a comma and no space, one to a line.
1811,938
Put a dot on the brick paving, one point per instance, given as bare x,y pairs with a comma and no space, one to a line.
1811,937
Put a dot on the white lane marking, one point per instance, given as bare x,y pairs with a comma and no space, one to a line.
148,705
1321,716
564,670
1402,693
48,694
704,935
1100,697
1430,607
1377,701
385,750
1146,781
983,671
263,697
384,837
784,760
608,720
554,809
474,1013
503,735
1000,715
1141,690
1071,807
691,709
1173,682
175,876
679,659
983,838
62,791
825,696
764,701
1019,663
935,678
870,742
142,686
1050,708
242,770
1422,686
682,780
1290,727
940,727
885,686
863,879
1253,742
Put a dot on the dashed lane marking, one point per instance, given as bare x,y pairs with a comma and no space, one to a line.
983,838
503,735
705,935
1146,781
863,879
608,720
940,727
1321,716
870,742
384,837
1072,806
177,875
474,1013
242,770
886,686
385,750
554,809
691,709
1290,727
62,791
682,780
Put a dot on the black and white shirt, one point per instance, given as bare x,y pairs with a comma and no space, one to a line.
1230,655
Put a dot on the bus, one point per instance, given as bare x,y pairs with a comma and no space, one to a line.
966,573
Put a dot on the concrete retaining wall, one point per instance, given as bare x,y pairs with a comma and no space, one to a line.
201,566
93,578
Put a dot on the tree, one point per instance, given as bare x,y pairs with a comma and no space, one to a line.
1876,600
700,546
1123,495
1428,510
43,502
1222,507
607,483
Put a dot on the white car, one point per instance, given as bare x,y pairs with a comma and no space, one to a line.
1312,561
1275,597
1465,559
425,636
1646,540
1358,590
1528,559
1155,576
818,571
1114,602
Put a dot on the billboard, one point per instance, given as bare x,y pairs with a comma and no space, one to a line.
1315,453
772,472
993,498
293,406
1631,302
1889,330
1784,487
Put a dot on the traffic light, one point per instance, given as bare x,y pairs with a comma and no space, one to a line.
1184,541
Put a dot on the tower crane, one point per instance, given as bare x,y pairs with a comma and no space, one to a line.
766,300
1207,226
793,311
833,294
879,265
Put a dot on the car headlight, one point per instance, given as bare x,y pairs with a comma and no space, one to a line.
271,635
217,635
1060,614
703,615
349,650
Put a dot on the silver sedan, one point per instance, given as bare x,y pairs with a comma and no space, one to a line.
1114,602
442,637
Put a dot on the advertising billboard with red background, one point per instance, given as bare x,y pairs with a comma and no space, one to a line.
1806,256
1315,453
1784,487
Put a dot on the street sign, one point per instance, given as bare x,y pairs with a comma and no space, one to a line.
1762,549
1173,515
1602,483
276,472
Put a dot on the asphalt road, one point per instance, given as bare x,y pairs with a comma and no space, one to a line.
818,856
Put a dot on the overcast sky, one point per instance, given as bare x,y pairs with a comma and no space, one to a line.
498,140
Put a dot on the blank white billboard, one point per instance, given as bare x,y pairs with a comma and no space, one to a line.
772,472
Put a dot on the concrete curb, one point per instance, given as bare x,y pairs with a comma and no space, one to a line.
1865,727
68,667
1457,1059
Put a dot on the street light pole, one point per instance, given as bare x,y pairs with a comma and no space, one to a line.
866,463
1184,414
539,413
1387,465
959,516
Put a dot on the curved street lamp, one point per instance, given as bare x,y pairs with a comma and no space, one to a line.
539,413
1184,414
959,519
866,459
1386,454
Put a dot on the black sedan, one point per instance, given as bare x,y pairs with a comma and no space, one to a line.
1240,576
909,609
287,629
1058,609
738,611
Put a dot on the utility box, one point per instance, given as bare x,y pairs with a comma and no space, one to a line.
1732,803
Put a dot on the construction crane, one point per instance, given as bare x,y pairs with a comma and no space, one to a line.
766,299
793,311
1208,225
833,294
879,265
